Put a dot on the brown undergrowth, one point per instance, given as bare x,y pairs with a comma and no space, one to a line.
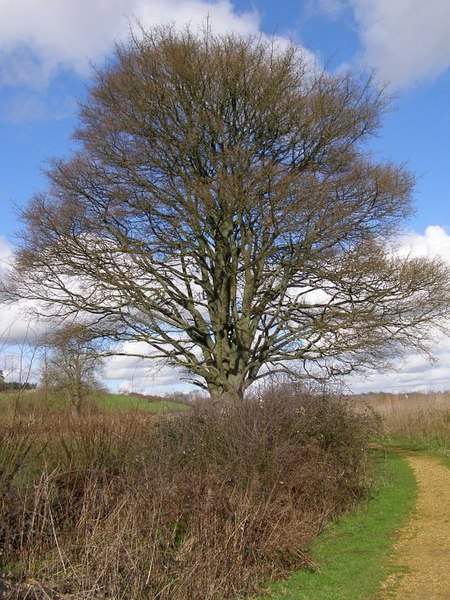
204,504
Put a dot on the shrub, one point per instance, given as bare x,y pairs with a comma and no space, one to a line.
205,504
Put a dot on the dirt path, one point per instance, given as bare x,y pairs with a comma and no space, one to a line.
422,555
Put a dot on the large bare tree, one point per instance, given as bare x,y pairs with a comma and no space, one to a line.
221,208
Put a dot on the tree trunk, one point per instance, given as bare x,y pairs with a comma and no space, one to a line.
232,389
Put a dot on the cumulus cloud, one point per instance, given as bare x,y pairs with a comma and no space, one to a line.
130,373
5,252
435,242
15,326
5,257
41,40
414,371
37,39
405,40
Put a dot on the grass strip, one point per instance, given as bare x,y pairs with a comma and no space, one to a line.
353,553
433,446
113,402
104,402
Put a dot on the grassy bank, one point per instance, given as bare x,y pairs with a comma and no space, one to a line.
351,558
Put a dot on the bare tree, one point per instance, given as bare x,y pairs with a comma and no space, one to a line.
222,209
71,365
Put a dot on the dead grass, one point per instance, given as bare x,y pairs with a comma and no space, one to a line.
206,504
421,419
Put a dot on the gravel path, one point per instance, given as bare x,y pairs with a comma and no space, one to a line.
422,555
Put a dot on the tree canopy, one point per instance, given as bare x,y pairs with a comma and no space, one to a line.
222,208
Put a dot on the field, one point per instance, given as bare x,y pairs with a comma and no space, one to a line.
34,402
143,498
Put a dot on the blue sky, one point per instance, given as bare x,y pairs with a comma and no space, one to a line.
47,49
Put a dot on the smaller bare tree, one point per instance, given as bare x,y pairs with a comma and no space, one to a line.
72,365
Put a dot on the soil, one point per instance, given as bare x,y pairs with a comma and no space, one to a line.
422,555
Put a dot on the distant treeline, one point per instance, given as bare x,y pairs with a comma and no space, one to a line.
6,386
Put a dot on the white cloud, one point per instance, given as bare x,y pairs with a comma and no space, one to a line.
405,40
414,371
5,255
15,327
435,242
142,375
39,38
222,15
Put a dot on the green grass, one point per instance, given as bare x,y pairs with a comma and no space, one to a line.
104,402
434,446
353,554
112,402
